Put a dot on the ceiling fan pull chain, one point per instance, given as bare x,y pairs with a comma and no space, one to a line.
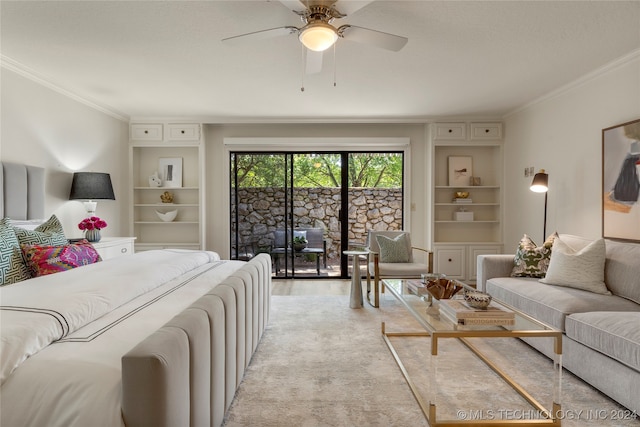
302,62
334,64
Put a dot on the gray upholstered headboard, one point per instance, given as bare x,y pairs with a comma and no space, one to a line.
21,191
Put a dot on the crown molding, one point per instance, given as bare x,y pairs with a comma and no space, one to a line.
598,72
31,74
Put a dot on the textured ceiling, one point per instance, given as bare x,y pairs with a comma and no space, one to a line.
152,58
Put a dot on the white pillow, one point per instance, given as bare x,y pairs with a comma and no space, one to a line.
581,270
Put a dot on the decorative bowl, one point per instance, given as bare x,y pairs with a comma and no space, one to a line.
167,217
461,194
477,299
443,288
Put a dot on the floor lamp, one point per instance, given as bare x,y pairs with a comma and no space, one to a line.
540,185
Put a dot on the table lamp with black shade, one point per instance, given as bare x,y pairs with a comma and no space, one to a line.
90,186
540,184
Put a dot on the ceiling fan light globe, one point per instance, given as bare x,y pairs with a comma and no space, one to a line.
318,36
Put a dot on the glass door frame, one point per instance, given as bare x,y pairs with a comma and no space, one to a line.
288,145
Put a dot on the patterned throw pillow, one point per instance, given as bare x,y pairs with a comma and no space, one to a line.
12,266
532,260
47,233
583,269
393,250
43,260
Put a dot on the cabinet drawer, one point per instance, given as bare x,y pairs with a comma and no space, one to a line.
486,131
146,132
450,131
114,247
450,261
183,132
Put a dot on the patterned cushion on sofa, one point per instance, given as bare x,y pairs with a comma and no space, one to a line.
43,260
532,260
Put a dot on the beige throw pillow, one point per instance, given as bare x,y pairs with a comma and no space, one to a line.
393,250
582,269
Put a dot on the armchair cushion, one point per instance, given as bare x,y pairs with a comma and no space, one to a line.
394,250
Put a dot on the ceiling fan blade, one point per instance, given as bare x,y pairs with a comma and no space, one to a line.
346,7
376,38
294,5
349,7
314,61
261,35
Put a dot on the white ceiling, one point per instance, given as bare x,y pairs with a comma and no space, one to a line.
165,58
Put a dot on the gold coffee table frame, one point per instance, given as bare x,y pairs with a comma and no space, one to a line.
398,289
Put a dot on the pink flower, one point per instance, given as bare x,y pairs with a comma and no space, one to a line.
92,223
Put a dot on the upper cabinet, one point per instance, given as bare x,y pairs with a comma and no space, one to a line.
467,178
166,169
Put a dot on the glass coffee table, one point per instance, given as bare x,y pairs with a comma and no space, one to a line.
435,324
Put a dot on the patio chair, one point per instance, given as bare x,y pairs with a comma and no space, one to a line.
393,260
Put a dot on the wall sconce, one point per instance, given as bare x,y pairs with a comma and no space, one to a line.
540,184
91,186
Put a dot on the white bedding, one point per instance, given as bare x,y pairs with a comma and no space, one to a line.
71,363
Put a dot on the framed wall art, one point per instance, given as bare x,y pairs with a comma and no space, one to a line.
621,181
170,171
460,170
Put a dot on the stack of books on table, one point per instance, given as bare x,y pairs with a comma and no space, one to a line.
459,312
417,287
462,201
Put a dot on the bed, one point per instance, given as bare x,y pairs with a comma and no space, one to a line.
159,338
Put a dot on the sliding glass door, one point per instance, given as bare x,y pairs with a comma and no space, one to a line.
305,209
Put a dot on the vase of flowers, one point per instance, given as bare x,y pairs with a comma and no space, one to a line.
91,227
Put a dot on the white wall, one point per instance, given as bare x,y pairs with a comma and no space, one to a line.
44,128
218,166
563,134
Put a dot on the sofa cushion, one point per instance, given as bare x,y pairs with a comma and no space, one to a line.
532,260
400,269
582,269
622,269
615,334
551,304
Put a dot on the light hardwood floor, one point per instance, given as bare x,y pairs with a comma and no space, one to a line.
311,287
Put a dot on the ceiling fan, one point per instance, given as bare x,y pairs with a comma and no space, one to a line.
318,34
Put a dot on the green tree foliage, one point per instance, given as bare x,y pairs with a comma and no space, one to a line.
383,170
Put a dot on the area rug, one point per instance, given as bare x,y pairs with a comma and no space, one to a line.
321,363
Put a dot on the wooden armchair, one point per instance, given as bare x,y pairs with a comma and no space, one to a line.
394,260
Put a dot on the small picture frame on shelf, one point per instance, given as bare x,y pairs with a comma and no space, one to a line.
170,171
460,170
475,181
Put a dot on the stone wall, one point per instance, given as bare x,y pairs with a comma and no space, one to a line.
262,210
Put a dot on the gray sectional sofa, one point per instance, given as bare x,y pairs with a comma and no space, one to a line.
601,342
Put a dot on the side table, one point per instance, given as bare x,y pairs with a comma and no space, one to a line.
356,280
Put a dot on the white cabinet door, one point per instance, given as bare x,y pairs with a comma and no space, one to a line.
450,260
447,131
146,132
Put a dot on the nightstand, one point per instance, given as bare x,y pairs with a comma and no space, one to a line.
112,247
